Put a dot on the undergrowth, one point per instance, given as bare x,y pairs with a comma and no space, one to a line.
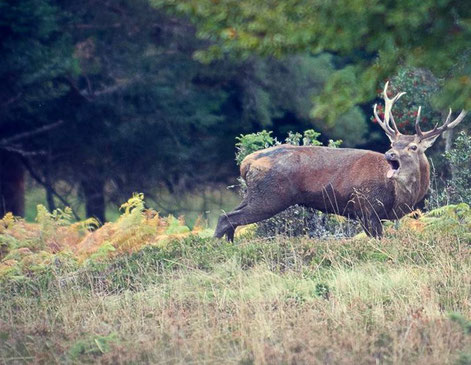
146,289
55,240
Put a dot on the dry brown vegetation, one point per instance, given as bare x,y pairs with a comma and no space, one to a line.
402,300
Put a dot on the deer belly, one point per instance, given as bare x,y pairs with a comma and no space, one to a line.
327,200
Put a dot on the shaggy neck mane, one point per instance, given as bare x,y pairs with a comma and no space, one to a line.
412,188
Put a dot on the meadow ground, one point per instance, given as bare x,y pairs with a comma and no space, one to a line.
404,299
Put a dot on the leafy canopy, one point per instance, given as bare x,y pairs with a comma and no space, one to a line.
374,37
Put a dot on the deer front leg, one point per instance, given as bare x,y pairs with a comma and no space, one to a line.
372,226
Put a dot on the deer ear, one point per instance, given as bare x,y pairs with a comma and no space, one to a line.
427,143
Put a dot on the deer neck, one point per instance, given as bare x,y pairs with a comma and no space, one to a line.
424,180
411,188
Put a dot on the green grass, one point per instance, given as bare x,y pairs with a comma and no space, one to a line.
207,204
402,300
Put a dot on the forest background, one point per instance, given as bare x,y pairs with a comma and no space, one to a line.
101,99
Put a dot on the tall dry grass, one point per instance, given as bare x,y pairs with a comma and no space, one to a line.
279,301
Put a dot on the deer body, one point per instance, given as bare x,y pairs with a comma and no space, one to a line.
361,184
348,182
322,178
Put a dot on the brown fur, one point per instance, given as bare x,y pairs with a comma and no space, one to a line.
348,182
252,162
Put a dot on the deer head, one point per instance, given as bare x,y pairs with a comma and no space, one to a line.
407,151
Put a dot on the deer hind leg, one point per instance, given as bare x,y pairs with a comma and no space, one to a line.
224,226
246,213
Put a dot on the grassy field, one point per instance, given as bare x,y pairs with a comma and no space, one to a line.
404,299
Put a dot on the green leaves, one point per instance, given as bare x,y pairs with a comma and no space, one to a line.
249,143
252,142
376,37
455,219
459,158
35,54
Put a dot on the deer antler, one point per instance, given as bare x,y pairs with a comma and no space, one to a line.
388,103
435,132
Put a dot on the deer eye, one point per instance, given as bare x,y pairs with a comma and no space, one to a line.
413,147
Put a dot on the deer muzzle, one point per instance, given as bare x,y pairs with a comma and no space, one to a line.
394,165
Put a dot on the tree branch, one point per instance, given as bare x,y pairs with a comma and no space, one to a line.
89,94
22,152
96,26
76,89
119,85
6,141
12,100
47,186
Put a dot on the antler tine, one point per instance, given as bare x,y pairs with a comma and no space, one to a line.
396,131
458,119
388,103
417,121
447,120
385,93
447,125
389,131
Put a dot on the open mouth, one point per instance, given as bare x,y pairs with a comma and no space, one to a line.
394,166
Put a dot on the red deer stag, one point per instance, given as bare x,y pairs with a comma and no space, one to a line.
365,185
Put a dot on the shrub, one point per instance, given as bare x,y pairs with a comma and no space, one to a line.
249,143
458,188
460,160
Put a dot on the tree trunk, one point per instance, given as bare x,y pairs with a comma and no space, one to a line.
448,140
51,205
93,190
12,184
47,179
448,145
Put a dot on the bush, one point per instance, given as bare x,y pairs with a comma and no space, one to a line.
457,189
249,143
460,160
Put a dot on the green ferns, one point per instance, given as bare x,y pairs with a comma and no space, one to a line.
450,218
56,242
